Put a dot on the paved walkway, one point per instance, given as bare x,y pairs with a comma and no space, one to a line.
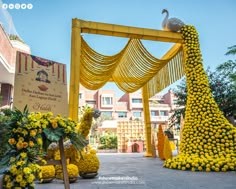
133,171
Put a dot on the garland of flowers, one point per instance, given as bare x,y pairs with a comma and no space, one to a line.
208,139
29,136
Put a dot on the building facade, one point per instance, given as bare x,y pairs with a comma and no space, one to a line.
129,106
8,49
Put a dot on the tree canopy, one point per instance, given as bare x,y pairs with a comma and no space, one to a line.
223,85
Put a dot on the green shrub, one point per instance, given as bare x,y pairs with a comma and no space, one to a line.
108,141
5,115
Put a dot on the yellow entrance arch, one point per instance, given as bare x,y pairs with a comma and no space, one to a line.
147,72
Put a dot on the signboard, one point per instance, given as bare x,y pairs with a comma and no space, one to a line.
40,84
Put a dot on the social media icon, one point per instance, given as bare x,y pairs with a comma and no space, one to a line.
4,6
17,6
23,6
11,6
29,6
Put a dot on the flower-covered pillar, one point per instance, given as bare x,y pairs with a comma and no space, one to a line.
75,69
208,139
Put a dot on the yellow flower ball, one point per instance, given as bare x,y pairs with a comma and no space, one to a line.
47,171
73,170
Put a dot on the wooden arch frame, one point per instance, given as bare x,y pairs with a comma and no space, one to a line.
81,26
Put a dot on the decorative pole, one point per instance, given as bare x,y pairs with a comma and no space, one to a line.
147,121
75,69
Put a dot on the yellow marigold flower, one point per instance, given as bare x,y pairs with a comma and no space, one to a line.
62,123
13,169
39,141
20,163
7,178
23,155
18,178
37,124
49,114
34,167
19,145
11,141
31,178
38,116
44,161
54,124
19,130
21,139
33,133
26,170
25,144
31,143
25,132
8,185
23,183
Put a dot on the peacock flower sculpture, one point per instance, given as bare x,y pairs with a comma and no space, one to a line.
171,24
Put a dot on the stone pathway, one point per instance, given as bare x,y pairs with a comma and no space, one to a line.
133,171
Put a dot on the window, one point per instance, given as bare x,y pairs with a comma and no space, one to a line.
107,114
137,114
80,95
154,113
175,102
107,101
122,114
163,113
136,100
91,102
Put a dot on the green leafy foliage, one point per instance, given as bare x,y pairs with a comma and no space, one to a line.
53,135
15,37
108,141
181,93
224,92
5,117
223,88
231,50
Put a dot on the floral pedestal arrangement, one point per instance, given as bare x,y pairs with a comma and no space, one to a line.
29,134
88,175
89,164
72,170
47,174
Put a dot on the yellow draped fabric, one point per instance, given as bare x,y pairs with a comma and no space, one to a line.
130,69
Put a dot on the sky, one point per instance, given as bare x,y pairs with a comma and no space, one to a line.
46,26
